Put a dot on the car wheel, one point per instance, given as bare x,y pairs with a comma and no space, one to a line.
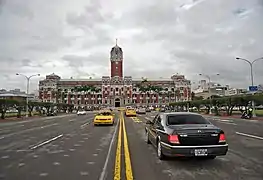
147,137
159,151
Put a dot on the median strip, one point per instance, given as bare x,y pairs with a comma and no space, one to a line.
127,158
117,170
129,174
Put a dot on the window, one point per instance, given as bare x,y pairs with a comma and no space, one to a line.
182,119
116,62
116,67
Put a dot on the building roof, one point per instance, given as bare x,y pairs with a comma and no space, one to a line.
72,80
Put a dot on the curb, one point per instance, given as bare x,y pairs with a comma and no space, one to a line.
22,119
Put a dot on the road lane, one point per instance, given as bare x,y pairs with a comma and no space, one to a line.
75,149
14,127
247,126
243,161
144,162
26,137
80,154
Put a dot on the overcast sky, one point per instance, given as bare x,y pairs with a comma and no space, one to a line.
159,38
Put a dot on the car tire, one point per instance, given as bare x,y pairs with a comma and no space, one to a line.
147,137
160,154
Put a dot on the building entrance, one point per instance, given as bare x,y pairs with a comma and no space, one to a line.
117,102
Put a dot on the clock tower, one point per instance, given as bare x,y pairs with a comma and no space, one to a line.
116,59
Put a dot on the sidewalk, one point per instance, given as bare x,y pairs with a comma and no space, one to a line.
234,117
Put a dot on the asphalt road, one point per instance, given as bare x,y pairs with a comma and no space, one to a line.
70,147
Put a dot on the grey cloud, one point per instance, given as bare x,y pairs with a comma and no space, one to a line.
89,18
20,8
184,36
26,62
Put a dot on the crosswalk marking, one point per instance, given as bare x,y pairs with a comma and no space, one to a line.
136,119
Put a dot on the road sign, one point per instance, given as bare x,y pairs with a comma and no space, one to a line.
253,88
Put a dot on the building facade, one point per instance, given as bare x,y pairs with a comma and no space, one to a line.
116,89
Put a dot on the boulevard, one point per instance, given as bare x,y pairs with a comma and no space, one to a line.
69,147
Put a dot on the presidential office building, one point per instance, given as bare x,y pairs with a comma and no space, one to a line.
116,89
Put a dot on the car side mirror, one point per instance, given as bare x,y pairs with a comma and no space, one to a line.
149,122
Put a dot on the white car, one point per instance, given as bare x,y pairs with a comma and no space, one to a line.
81,112
141,111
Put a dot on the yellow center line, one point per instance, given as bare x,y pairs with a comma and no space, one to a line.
128,167
117,170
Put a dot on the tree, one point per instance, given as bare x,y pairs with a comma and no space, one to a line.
19,106
229,102
5,104
32,105
48,106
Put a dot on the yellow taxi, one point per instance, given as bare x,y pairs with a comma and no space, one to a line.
104,117
130,112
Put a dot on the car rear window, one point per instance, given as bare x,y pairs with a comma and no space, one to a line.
104,114
186,119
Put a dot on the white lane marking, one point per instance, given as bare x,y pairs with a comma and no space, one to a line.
147,118
47,141
228,123
27,130
84,125
249,135
224,120
103,173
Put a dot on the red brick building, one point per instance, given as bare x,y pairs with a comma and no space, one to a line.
116,89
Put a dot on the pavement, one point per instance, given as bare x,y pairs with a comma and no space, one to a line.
70,147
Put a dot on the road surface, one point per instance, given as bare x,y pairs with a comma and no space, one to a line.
70,147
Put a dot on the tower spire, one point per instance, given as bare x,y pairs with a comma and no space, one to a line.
116,42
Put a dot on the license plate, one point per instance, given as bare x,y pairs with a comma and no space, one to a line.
201,152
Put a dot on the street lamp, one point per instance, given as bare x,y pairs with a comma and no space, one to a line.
251,76
209,89
27,88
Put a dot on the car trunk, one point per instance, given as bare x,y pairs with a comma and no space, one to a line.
198,135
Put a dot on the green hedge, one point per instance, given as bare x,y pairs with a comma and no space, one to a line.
229,102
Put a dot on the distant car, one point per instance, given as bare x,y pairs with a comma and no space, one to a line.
185,134
130,112
81,112
162,110
104,117
141,111
148,110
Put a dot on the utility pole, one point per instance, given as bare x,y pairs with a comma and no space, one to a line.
27,88
252,78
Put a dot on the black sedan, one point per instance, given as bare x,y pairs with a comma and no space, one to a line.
184,134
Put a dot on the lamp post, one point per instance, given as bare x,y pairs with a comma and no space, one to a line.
251,76
27,88
209,90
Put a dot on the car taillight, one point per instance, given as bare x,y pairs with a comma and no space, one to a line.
222,138
173,139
